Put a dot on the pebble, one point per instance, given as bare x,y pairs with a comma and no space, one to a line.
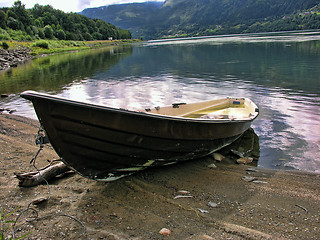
206,237
258,181
7,110
183,192
182,196
165,232
245,160
238,153
218,157
203,211
248,178
213,204
212,166
252,170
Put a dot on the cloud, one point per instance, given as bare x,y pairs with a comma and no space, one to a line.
82,4
70,5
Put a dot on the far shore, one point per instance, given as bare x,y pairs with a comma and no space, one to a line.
19,52
190,200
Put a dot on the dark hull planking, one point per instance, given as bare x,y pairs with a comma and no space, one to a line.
103,143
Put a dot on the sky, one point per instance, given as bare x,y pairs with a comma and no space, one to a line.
70,5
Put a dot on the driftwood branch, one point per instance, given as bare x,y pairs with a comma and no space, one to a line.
35,178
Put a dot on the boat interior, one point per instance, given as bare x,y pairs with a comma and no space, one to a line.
227,108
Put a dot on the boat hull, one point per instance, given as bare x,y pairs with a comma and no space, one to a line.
105,144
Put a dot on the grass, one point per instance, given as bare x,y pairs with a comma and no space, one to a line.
4,225
56,46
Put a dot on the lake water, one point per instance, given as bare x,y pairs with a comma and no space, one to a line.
279,72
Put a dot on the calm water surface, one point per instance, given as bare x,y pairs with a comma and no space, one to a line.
280,73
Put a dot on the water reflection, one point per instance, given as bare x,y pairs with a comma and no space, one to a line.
53,73
281,75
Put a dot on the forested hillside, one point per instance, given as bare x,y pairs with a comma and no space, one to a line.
209,17
45,22
133,16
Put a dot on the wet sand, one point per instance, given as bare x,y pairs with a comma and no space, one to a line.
192,200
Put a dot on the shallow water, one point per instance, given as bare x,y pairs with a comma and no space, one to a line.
279,72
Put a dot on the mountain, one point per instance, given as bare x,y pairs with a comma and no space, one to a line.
199,17
131,16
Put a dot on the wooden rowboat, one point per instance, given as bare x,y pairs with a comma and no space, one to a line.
104,143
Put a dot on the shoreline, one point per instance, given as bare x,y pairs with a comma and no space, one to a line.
18,53
13,57
192,200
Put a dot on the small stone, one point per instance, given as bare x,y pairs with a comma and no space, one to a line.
183,196
245,160
258,181
213,204
165,232
238,153
206,237
212,166
252,170
218,157
248,178
183,192
203,211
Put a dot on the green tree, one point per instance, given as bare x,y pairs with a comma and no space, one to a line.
87,36
22,15
41,33
38,23
47,22
3,19
13,23
60,34
49,19
48,32
35,30
97,36
29,31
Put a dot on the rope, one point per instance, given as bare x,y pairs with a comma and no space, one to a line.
40,140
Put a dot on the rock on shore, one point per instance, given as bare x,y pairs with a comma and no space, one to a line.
13,57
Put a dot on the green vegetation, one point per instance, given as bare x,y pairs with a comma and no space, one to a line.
41,44
5,45
44,22
55,46
4,225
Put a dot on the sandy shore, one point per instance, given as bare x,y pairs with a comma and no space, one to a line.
191,200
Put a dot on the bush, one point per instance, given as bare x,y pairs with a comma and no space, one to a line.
4,35
18,35
48,32
13,23
41,44
60,34
41,33
5,45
